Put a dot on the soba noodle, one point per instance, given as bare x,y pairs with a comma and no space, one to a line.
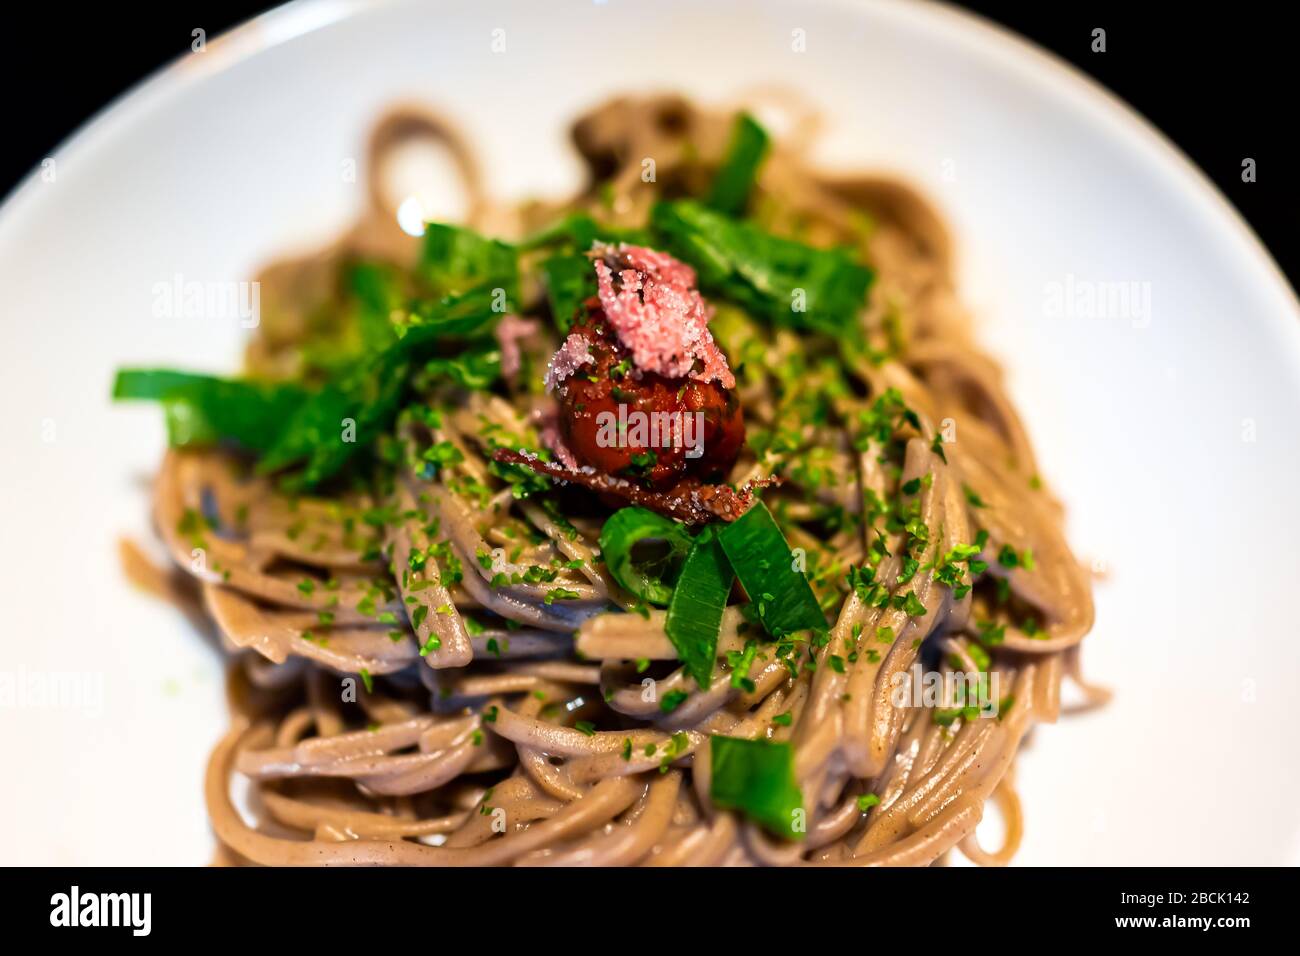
500,727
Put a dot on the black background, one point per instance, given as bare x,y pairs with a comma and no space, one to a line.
1218,79
518,904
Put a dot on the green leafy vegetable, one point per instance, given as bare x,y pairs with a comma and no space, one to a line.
786,282
311,434
570,280
698,600
456,260
735,178
347,415
474,369
461,315
204,410
153,384
377,289
763,562
577,231
336,422
567,273
649,580
756,777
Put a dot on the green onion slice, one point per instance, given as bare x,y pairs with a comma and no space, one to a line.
763,561
650,580
756,777
698,600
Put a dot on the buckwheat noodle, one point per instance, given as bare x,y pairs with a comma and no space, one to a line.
469,754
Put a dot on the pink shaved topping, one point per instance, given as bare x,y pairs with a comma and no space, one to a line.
509,331
553,440
567,359
658,315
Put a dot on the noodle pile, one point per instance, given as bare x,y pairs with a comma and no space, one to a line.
532,731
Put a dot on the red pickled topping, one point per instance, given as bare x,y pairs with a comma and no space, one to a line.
636,424
645,404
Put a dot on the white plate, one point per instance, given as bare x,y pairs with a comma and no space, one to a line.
1170,431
